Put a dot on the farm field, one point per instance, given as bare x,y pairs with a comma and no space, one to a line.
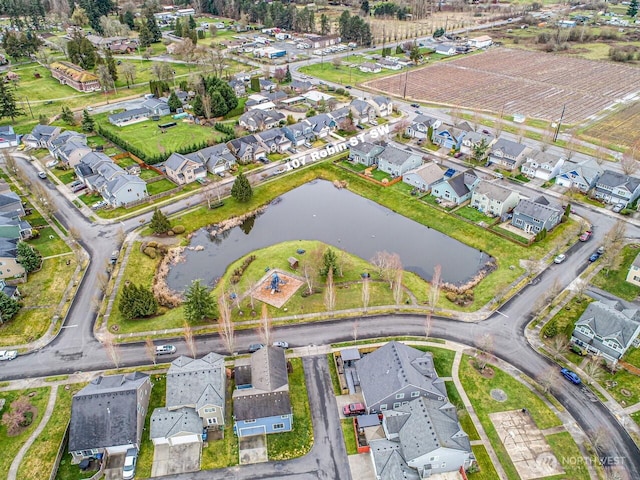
618,128
517,81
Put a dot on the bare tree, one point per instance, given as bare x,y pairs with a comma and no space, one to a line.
336,62
387,265
366,292
616,235
558,346
434,288
593,370
206,106
128,71
427,326
265,327
354,330
548,378
629,162
280,74
310,267
579,288
226,327
485,350
10,163
102,280
150,350
330,292
112,348
190,340
397,288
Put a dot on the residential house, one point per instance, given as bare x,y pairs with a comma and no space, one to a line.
420,126
472,140
447,136
300,133
261,402
389,64
278,97
634,272
322,41
581,176
608,329
258,120
368,67
365,153
194,403
246,149
40,136
394,374
532,216
315,97
77,78
322,124
107,416
274,140
216,159
362,111
238,87
493,199
157,106
9,266
124,189
255,100
128,117
124,47
423,437
543,165
182,170
340,115
456,189
12,227
11,203
72,152
447,49
60,140
267,85
508,154
104,42
8,137
382,105
397,161
424,177
300,86
615,187
483,41
10,291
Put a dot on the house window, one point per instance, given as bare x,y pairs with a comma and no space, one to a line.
396,404
278,426
284,416
399,396
212,421
249,421
415,394
210,410
383,407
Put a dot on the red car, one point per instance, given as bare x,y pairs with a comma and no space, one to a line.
354,409
586,236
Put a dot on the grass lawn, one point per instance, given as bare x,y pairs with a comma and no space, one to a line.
343,75
566,450
478,387
473,214
510,234
566,318
38,461
349,435
442,359
625,381
151,140
486,469
65,176
463,415
299,441
9,446
160,186
615,281
224,452
41,295
147,173
90,198
125,162
48,246
156,400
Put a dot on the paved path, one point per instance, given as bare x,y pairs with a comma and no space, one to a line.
13,470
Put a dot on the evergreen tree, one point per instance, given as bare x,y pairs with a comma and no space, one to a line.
287,75
137,301
8,307
192,23
229,96
111,65
159,222
144,36
81,52
198,304
632,9
67,115
177,29
8,106
198,108
364,6
129,19
255,84
218,105
325,25
28,257
88,124
174,102
152,25
241,189
329,262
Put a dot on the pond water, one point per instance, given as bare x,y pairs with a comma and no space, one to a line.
320,211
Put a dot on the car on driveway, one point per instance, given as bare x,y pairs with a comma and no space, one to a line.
129,467
560,258
8,354
586,236
353,409
571,376
254,347
618,207
165,349
281,344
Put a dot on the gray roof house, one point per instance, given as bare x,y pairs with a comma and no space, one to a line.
507,154
10,267
258,120
420,126
8,138
579,175
300,133
54,144
246,149
493,199
322,124
424,176
216,159
608,329
397,161
615,187
134,115
238,87
72,152
456,189
40,136
422,437
173,427
362,111
11,204
182,170
382,105
157,106
396,373
365,153
544,165
12,227
107,416
124,189
534,215
274,140
472,139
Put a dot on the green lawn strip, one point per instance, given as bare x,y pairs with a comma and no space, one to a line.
38,461
632,356
349,435
65,176
147,173
626,382
569,456
160,186
463,415
519,396
298,442
47,245
473,215
223,453
334,374
636,417
156,400
9,446
486,470
565,319
615,281
40,297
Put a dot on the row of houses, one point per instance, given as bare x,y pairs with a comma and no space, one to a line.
584,175
13,229
108,415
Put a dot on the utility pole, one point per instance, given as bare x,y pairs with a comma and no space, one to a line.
404,93
557,132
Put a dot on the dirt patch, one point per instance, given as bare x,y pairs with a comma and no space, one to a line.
286,289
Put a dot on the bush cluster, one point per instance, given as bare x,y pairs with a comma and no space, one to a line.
462,298
238,272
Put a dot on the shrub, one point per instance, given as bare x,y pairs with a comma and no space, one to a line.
150,252
170,233
551,329
178,229
152,244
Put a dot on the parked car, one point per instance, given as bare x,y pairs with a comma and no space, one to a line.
618,207
374,122
281,344
42,175
52,163
8,354
254,347
77,188
353,409
129,467
600,249
571,376
418,112
586,236
594,256
348,87
165,349
75,183
415,105
360,127
560,258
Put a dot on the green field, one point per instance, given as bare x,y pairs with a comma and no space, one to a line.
615,281
344,75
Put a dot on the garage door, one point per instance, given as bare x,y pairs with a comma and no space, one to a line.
185,439
248,431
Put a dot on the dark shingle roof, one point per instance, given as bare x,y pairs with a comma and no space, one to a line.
540,208
261,405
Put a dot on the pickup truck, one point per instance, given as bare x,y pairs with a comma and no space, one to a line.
586,236
353,409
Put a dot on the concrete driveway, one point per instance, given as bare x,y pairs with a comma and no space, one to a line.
253,449
171,460
113,468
